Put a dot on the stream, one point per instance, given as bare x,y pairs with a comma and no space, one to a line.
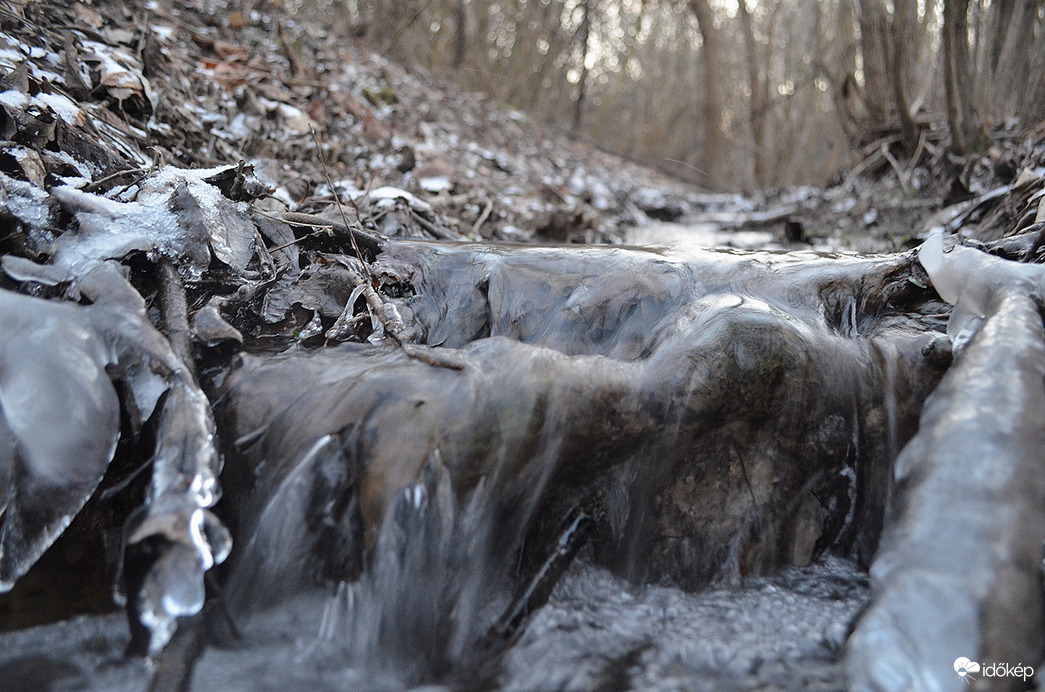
528,468
285,406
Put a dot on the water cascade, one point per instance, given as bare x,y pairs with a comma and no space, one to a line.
713,415
462,465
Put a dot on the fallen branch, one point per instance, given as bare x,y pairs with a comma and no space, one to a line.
432,228
392,322
175,314
874,159
386,313
900,174
97,184
537,590
174,665
482,217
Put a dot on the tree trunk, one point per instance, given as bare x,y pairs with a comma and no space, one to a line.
1014,59
712,56
584,33
1033,97
956,74
909,37
1003,11
898,54
460,34
963,67
842,71
756,103
873,47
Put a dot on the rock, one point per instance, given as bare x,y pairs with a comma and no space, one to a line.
709,435
972,563
959,570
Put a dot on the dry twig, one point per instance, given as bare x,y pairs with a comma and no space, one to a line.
386,312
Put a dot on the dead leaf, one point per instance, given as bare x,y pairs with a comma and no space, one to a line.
231,51
88,16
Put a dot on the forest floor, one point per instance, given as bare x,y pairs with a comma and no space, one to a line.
198,87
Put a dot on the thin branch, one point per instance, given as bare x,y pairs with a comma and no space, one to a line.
386,312
115,176
482,217
174,311
340,208
896,167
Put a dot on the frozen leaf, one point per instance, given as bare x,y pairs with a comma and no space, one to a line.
76,78
59,423
211,329
280,235
120,75
21,269
24,159
202,211
31,211
176,213
1029,176
25,120
61,414
17,79
324,290
185,463
112,230
63,107
238,183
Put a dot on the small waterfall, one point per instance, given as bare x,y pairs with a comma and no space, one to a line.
278,560
409,613
436,579
886,356
707,423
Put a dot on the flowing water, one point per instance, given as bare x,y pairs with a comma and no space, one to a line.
703,236
719,424
713,415
597,631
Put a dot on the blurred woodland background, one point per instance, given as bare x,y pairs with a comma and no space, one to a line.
731,94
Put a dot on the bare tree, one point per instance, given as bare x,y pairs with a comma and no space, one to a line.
899,46
1001,20
712,58
810,81
584,36
756,102
1015,55
460,34
957,74
874,34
